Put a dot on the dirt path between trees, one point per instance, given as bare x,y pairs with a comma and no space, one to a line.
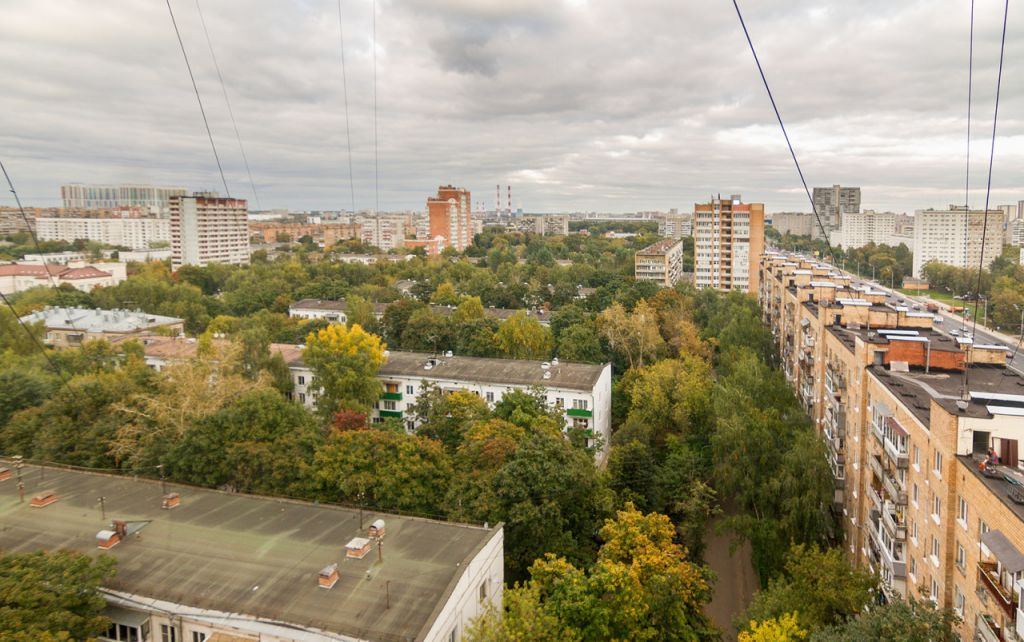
736,582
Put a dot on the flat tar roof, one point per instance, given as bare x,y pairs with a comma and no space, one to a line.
245,554
916,388
564,374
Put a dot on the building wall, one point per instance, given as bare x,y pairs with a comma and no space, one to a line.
728,242
155,198
136,233
209,230
954,237
451,216
862,228
482,583
795,223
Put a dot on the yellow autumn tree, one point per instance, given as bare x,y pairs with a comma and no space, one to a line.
785,628
345,362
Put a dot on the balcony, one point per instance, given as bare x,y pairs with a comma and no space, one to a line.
391,413
876,498
986,629
876,467
392,396
878,432
988,576
894,489
898,456
579,412
894,521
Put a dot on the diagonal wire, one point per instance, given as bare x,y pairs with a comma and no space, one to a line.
202,111
344,88
782,125
988,186
376,148
35,340
231,113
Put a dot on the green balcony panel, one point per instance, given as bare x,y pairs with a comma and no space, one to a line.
579,412
391,413
392,396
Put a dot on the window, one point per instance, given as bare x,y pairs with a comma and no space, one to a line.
168,633
389,405
958,601
559,401
580,404
982,528
961,514
913,494
451,636
935,591
198,637
938,464
961,557
913,531
490,397
483,590
302,380
122,633
302,397
935,551
409,390
917,458
936,508
913,566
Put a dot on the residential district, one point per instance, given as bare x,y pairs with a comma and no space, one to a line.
469,424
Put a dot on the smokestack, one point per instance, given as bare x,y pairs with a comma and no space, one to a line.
497,200
510,200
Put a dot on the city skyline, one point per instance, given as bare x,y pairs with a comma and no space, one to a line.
620,125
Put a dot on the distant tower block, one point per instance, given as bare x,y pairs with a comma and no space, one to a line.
497,199
510,200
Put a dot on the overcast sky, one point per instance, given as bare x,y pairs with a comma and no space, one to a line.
607,105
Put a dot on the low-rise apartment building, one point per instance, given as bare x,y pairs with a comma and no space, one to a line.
70,327
205,565
17,277
660,263
921,429
583,391
337,311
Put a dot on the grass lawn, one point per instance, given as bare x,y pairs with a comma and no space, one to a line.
941,297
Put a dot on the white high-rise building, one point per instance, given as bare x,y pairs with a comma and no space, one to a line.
728,241
675,226
382,231
954,236
862,228
209,229
136,233
155,198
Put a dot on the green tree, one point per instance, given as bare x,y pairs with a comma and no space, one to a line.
383,469
906,621
469,309
640,588
344,362
581,343
445,294
821,587
520,337
634,335
52,596
359,312
258,443
785,628
445,416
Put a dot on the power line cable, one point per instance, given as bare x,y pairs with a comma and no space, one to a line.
344,88
782,125
376,147
988,186
199,99
227,101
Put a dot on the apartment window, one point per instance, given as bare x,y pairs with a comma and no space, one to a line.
490,396
958,601
483,590
198,637
913,531
936,508
913,566
935,591
913,494
580,404
168,633
917,458
961,557
451,636
409,390
559,401
302,380
389,405
302,397
961,513
982,528
938,464
935,551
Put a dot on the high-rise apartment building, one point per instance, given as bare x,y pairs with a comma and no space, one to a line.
209,229
675,225
152,197
451,216
382,231
795,223
136,233
861,228
954,236
921,432
728,240
831,203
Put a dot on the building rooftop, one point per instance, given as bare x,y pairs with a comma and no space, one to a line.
98,321
520,372
249,555
916,389
660,247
